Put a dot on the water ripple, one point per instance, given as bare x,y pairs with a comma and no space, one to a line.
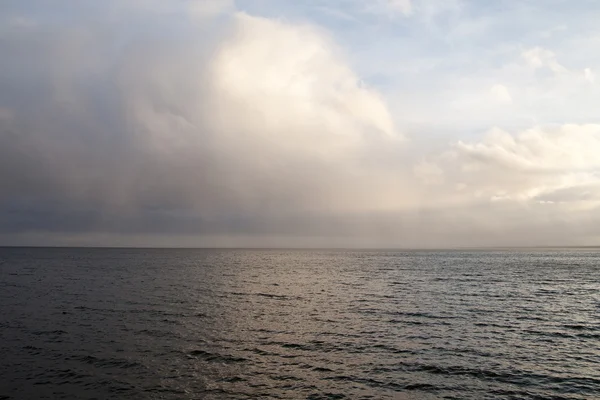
245,324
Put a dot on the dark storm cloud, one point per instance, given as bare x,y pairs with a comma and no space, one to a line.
110,128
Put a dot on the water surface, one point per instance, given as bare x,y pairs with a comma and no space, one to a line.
237,324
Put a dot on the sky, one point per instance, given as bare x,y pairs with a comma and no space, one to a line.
271,123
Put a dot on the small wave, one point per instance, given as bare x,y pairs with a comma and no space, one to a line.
218,358
233,379
50,332
285,378
417,314
589,335
296,346
421,386
68,375
261,352
156,333
325,396
272,296
403,321
552,334
392,349
266,295
579,327
397,387
322,369
108,362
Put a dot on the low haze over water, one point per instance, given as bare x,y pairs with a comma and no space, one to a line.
237,324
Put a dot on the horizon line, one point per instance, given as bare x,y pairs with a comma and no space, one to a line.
302,248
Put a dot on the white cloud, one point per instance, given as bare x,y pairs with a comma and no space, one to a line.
293,79
566,148
589,75
501,94
539,57
535,164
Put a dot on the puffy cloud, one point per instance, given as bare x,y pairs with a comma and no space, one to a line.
566,148
266,122
304,90
559,164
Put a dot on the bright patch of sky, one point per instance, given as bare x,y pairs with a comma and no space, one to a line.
438,60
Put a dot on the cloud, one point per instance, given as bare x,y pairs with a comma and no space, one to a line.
530,166
146,123
501,94
428,173
539,57
589,75
266,122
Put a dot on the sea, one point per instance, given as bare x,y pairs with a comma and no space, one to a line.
99,323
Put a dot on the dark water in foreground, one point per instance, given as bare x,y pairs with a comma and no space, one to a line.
215,324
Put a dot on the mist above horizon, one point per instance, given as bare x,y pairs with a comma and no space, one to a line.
344,123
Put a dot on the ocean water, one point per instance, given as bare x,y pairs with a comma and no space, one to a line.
299,324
